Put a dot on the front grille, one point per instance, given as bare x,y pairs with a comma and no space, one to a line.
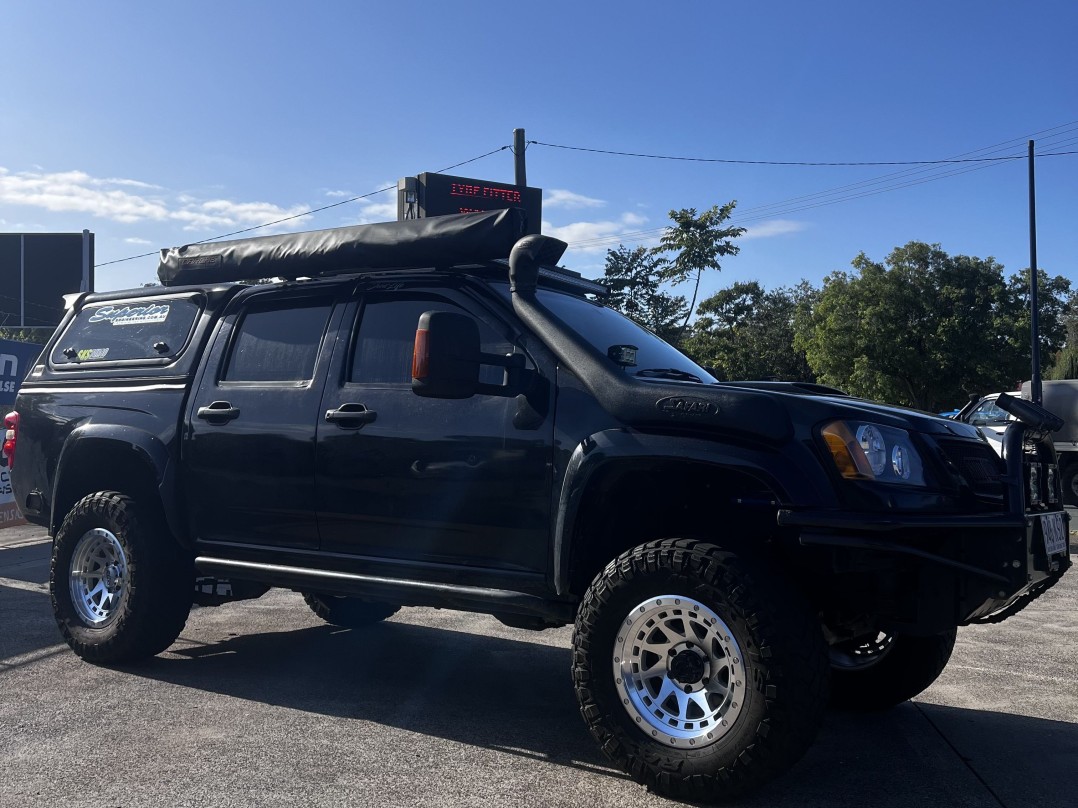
977,464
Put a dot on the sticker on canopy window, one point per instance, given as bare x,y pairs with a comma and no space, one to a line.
131,315
92,353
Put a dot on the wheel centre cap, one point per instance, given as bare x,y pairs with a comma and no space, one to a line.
112,577
688,667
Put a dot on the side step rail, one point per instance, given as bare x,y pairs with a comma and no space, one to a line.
391,590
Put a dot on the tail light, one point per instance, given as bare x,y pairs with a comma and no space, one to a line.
11,427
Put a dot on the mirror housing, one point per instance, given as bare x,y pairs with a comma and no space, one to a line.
446,357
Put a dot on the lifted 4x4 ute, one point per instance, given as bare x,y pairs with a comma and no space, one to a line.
431,413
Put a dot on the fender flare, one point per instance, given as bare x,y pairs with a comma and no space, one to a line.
792,476
148,450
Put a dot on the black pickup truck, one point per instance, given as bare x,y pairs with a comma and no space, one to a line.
433,413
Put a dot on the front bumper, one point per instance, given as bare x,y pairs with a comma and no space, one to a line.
935,571
991,564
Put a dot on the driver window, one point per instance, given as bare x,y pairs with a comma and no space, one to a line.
386,337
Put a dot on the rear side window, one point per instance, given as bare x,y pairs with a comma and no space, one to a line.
278,343
128,331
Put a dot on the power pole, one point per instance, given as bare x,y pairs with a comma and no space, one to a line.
518,157
1034,308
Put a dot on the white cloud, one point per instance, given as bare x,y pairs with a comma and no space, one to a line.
599,236
130,184
78,192
226,213
119,200
775,227
135,240
339,194
381,211
560,198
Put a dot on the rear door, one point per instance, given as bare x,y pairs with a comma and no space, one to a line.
434,483
250,448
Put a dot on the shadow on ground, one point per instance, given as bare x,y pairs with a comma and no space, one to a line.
515,696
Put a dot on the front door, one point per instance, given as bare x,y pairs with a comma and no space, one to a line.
442,484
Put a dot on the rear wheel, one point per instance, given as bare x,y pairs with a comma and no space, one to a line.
347,612
882,670
694,673
121,585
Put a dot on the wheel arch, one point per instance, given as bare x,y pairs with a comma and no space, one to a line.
114,458
689,485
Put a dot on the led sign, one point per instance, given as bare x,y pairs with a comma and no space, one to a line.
441,194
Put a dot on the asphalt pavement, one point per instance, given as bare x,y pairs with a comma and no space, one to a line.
259,703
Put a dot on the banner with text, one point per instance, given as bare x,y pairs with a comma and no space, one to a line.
16,358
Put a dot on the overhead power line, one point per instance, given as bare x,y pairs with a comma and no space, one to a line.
731,161
1056,139
819,163
916,172
306,212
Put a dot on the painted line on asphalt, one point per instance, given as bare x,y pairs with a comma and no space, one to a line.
14,545
1034,677
25,586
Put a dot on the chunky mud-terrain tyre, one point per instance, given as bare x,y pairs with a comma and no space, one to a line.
121,586
346,612
697,673
876,673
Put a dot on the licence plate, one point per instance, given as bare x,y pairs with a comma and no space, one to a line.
1055,537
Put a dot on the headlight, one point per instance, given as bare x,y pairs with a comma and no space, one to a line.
870,439
873,452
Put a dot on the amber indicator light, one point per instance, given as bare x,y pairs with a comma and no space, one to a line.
420,357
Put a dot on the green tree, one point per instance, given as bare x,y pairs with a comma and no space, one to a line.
697,243
634,277
747,332
924,328
1054,303
1065,364
38,336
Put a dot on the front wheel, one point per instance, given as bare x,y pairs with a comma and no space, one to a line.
696,674
882,670
121,585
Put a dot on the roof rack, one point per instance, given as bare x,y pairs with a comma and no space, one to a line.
562,278
438,241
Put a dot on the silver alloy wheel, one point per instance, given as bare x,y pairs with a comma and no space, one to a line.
859,654
679,671
98,577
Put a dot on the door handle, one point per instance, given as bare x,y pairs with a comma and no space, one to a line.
218,411
351,416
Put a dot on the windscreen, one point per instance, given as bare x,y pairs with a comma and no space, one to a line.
605,329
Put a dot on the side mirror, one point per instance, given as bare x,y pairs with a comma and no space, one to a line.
445,362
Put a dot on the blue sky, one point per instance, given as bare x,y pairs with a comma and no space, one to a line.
155,125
